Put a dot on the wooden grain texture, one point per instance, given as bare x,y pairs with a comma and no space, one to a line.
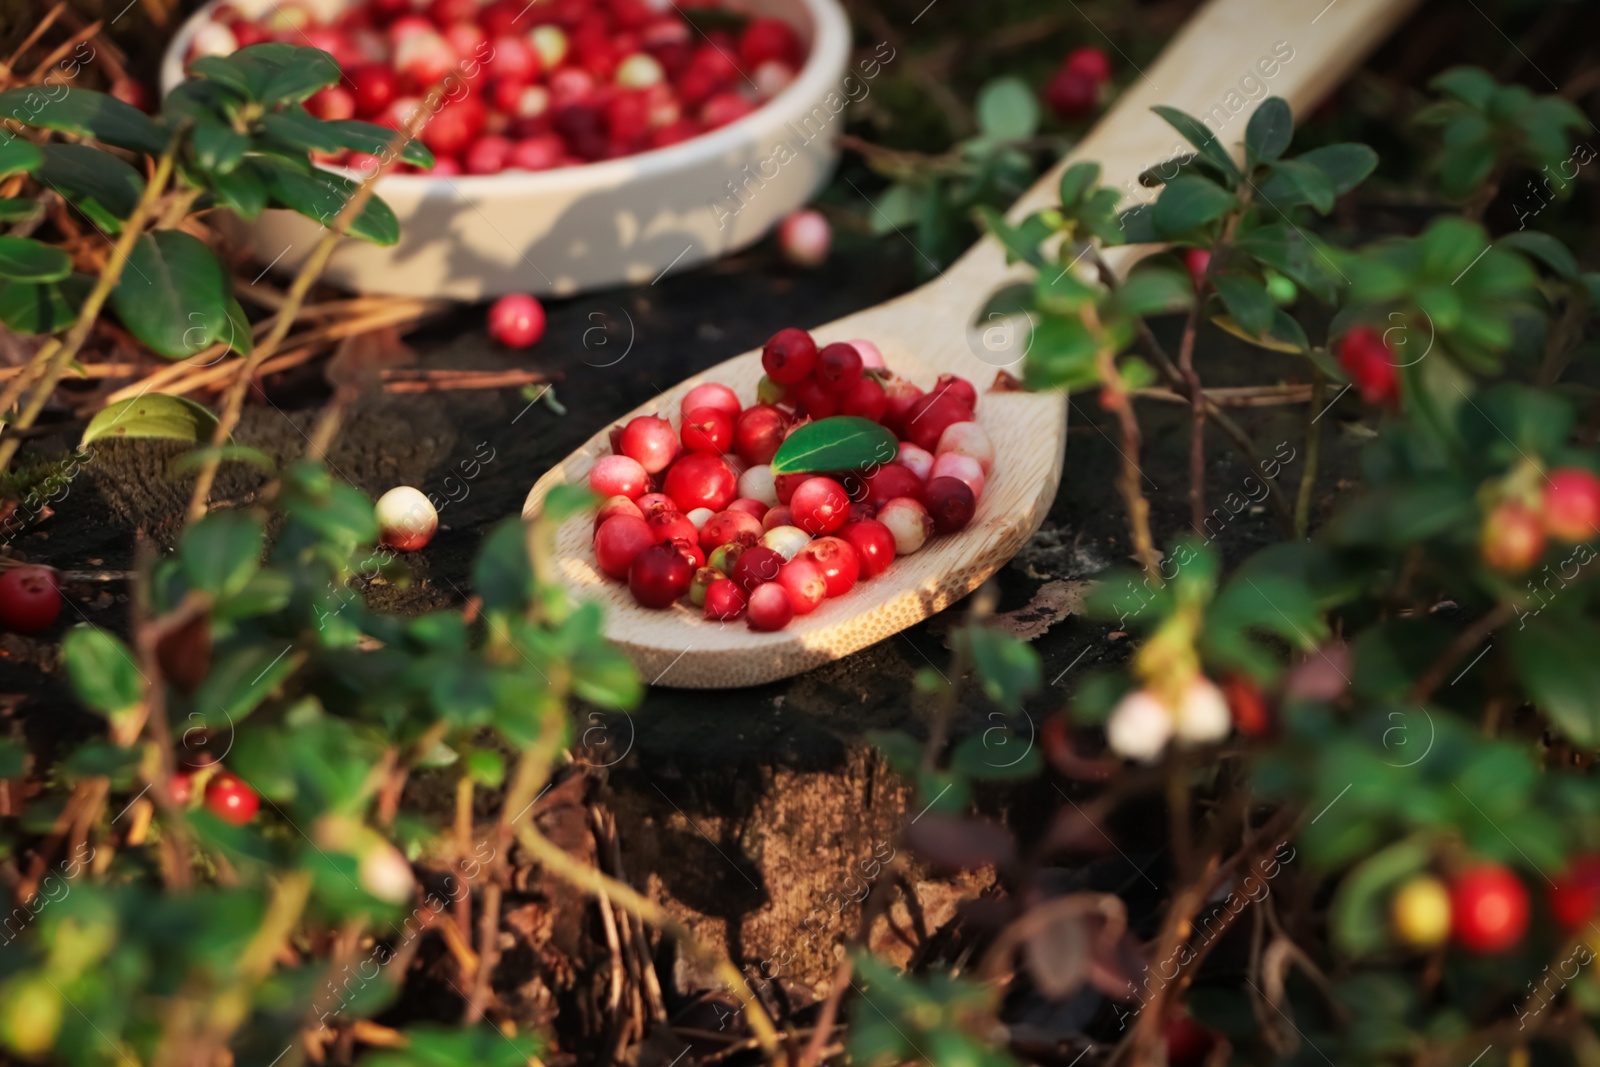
1218,61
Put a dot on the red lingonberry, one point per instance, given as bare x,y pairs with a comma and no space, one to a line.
805,583
181,786
668,525
699,480
1071,94
376,87
962,468
839,561
874,545
899,395
30,600
616,505
516,320
1366,358
487,155
819,506
789,356
1248,705
725,601
968,439
928,418
712,395
839,367
951,503
769,607
708,430
776,517
756,565
745,504
892,480
1575,896
230,800
1488,908
1197,261
659,575
727,525
766,39
813,400
865,400
333,104
650,503
1572,504
619,476
618,540
650,440
957,388
456,124
1091,61
758,433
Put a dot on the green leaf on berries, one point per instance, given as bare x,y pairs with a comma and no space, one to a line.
221,552
1154,291
16,208
323,196
240,679
1246,300
1077,180
1296,182
270,73
1560,672
1346,165
375,140
1007,668
1546,249
840,443
153,415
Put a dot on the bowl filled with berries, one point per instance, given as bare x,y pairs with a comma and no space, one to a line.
578,144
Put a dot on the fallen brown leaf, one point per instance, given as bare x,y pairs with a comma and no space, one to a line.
1052,602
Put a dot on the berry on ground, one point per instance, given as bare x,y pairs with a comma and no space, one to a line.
29,599
516,320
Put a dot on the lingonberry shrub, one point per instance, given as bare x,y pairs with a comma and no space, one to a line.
1363,747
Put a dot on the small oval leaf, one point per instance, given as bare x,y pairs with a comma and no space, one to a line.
840,443
27,260
152,415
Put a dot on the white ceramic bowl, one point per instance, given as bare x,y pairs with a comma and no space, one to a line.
622,221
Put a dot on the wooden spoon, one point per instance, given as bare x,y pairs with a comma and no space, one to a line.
1230,56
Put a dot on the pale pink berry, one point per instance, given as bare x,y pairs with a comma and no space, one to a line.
871,355
909,522
962,468
804,238
918,460
969,439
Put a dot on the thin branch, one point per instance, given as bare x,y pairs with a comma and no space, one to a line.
1308,475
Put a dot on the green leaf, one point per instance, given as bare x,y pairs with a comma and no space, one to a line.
1156,291
218,147
1561,674
16,208
1247,301
1269,131
238,336
564,501
1473,86
433,1045
502,574
603,674
323,196
43,307
1007,668
1022,241
26,260
19,157
271,73
13,758
240,679
1346,165
153,415
1359,914
1007,109
242,190
173,294
1190,202
375,140
340,513
997,754
1061,355
101,670
97,183
1196,133
840,443
1138,225
1077,180
221,553
87,114
293,126
1541,246
1294,182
